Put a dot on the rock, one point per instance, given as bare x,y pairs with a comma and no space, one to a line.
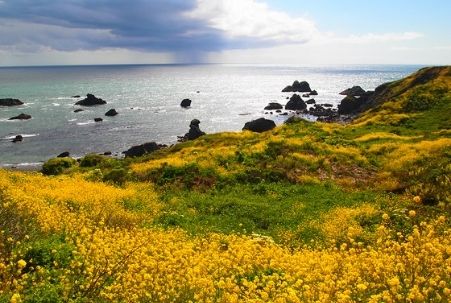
298,87
353,91
296,103
284,114
259,125
63,155
91,100
78,110
349,105
288,98
18,138
107,153
314,93
10,102
311,101
198,92
76,96
319,111
185,103
327,105
98,119
305,95
111,113
22,116
278,111
194,131
273,106
140,150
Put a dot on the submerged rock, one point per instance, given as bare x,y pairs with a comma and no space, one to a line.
111,113
98,119
78,110
296,103
76,96
22,116
10,102
259,125
273,106
91,100
16,139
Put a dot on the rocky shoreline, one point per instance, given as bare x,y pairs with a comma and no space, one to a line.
296,106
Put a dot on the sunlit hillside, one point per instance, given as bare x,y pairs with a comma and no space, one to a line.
307,212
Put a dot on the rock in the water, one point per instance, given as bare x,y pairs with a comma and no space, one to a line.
353,91
78,110
327,105
111,113
314,93
259,125
194,131
76,96
311,101
10,102
22,116
305,95
296,103
302,87
91,100
107,153
320,111
63,155
185,103
18,138
98,119
273,106
140,150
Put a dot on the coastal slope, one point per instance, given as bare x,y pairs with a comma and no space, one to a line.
305,212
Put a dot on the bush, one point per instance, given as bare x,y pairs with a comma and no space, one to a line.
92,160
57,166
117,176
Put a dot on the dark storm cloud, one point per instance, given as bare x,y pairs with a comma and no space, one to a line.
155,25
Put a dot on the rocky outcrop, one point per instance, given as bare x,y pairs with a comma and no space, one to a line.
91,100
353,91
259,125
140,150
351,105
296,103
273,106
111,113
302,87
185,103
314,93
311,101
193,133
98,119
22,116
10,102
321,111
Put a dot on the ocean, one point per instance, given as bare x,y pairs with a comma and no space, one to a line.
148,98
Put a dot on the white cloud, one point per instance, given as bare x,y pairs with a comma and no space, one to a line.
251,19
384,37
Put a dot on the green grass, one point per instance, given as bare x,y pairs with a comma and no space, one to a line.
265,208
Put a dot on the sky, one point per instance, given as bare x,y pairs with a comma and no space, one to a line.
299,32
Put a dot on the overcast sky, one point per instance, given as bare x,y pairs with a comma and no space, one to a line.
310,32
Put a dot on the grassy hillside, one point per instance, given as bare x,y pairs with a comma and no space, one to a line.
305,212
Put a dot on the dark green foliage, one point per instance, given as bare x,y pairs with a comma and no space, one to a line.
47,293
57,166
117,176
188,176
92,160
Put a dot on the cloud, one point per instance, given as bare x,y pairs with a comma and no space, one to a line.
157,25
254,21
384,37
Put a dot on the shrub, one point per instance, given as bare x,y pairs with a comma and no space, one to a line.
117,176
92,160
57,166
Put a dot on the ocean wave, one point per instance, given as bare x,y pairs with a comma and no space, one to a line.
85,123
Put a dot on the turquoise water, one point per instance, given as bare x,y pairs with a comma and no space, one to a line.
147,98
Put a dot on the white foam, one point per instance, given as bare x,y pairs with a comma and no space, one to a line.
23,135
85,123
